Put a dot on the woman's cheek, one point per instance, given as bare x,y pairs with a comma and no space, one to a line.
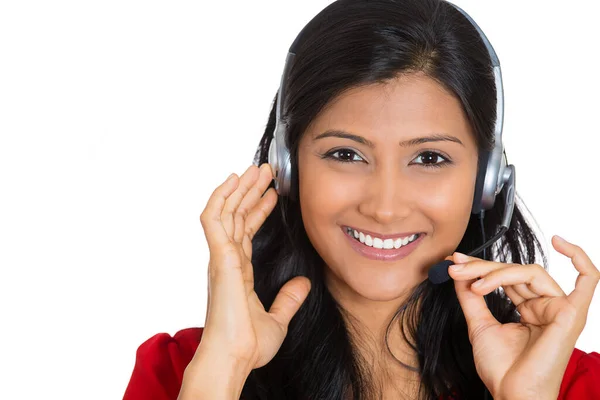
325,187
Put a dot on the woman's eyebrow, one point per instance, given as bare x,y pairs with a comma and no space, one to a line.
436,137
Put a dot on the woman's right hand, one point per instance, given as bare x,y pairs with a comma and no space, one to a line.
237,324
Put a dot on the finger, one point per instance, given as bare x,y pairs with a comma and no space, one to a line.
536,277
523,290
476,311
248,270
250,199
460,258
517,294
289,299
475,269
261,211
467,267
543,311
211,216
513,295
588,278
247,246
233,201
238,223
253,222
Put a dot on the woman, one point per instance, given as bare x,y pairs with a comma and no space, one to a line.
322,293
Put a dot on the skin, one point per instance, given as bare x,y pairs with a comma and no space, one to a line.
387,191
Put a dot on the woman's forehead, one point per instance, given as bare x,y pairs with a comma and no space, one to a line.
402,108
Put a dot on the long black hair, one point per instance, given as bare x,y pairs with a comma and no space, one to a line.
350,44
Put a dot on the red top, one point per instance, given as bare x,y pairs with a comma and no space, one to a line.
161,360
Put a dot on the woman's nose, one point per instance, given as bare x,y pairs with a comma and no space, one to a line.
387,198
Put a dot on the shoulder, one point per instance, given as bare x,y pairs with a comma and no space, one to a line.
581,376
159,365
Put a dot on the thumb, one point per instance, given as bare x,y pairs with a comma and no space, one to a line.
289,299
478,315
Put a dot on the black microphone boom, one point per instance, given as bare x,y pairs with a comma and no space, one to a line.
439,272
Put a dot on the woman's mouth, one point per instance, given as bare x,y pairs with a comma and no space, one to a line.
382,249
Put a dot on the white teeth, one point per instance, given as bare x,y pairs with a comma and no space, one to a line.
379,243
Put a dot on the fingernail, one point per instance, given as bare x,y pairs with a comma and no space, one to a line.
477,283
231,177
560,238
461,257
457,267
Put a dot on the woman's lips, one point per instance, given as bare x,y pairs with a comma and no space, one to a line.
382,254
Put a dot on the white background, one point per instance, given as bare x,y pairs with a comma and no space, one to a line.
119,118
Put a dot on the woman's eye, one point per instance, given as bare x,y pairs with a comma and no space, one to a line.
429,159
344,155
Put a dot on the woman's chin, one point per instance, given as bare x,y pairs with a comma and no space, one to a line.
382,293
381,288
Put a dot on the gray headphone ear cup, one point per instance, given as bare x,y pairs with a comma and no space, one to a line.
284,173
291,181
482,171
273,162
279,159
272,158
489,179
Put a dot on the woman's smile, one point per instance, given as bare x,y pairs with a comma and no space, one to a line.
382,248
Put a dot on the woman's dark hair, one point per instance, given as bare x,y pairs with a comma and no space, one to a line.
355,43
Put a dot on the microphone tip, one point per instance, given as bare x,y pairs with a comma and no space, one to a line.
439,272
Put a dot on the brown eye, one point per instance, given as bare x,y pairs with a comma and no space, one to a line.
343,155
429,159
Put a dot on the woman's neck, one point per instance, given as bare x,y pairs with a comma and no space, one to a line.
382,352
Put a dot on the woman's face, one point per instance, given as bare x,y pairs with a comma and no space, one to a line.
387,181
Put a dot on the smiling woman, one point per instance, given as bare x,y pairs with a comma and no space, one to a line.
321,292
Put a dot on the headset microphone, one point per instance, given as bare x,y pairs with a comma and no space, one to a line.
439,272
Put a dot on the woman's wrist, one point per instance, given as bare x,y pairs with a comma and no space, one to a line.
213,376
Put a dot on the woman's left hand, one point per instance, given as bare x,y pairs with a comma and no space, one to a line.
525,360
